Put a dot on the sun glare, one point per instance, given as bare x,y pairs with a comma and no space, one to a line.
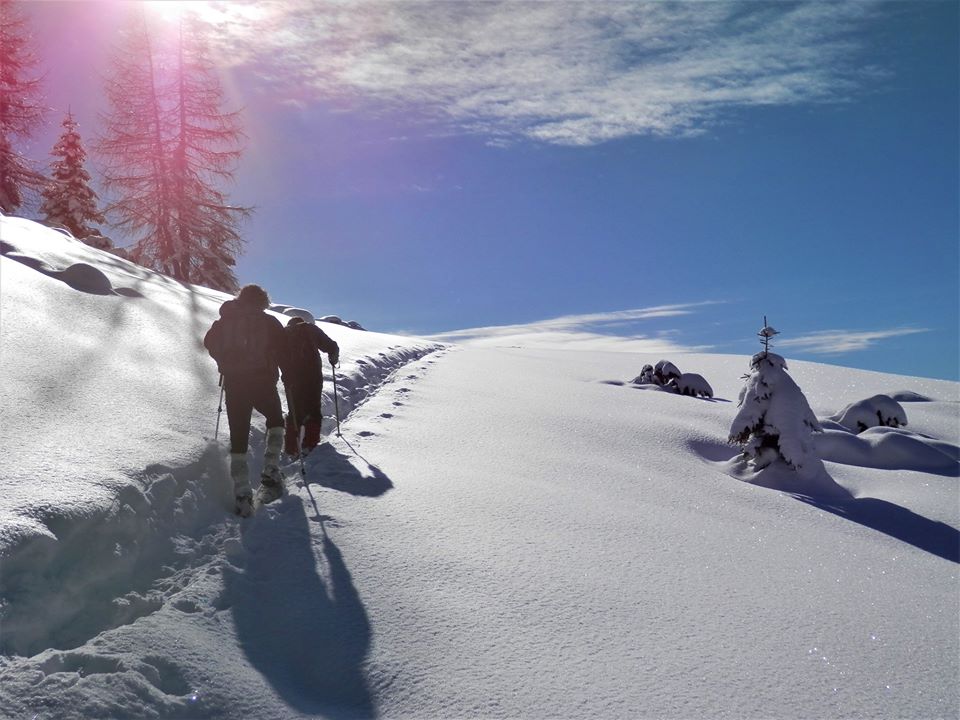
176,9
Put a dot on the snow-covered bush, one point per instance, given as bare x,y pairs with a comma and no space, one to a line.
646,377
775,421
661,374
666,371
693,384
876,411
667,376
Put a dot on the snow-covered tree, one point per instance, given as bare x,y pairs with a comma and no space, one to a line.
667,376
661,374
775,421
21,112
876,411
166,148
68,199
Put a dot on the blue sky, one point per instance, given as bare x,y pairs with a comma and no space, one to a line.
432,167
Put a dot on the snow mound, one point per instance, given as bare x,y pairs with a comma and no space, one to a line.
889,448
909,396
304,315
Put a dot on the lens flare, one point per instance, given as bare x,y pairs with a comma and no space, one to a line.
176,9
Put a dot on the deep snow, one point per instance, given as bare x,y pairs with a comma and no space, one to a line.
500,532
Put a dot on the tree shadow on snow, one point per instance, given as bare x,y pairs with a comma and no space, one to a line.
299,618
898,522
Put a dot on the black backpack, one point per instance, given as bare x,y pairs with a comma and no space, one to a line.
303,349
241,343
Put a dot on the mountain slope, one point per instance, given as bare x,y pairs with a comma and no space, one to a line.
500,532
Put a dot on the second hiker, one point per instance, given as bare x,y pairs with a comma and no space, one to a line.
303,380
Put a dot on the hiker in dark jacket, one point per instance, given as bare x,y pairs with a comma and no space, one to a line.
250,347
304,383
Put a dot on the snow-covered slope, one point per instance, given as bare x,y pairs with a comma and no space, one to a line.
500,532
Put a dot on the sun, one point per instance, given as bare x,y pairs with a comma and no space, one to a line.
176,9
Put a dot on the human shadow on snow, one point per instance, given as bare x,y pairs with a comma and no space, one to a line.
299,618
333,470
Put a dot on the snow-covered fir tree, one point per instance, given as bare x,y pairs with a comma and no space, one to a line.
68,199
21,112
775,421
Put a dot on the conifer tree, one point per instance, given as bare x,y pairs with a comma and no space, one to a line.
21,111
68,199
167,148
775,421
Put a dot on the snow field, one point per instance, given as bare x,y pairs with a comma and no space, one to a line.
500,532
594,561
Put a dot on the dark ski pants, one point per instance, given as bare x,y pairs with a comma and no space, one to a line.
306,400
243,395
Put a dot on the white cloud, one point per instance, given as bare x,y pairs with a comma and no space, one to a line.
578,332
836,342
561,72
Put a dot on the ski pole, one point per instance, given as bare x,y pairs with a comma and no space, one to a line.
336,398
292,418
219,408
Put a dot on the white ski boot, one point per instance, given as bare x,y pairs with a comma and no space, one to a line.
271,479
239,472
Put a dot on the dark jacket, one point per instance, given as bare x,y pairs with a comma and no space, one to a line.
303,341
247,341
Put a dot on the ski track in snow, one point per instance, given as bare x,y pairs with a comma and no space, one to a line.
174,548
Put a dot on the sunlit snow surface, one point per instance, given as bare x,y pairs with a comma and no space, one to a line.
500,532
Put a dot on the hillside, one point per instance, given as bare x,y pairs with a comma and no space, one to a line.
499,532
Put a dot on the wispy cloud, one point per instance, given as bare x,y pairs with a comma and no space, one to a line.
836,342
579,332
561,72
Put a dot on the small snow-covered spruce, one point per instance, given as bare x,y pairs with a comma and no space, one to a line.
667,376
876,411
775,421
68,200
